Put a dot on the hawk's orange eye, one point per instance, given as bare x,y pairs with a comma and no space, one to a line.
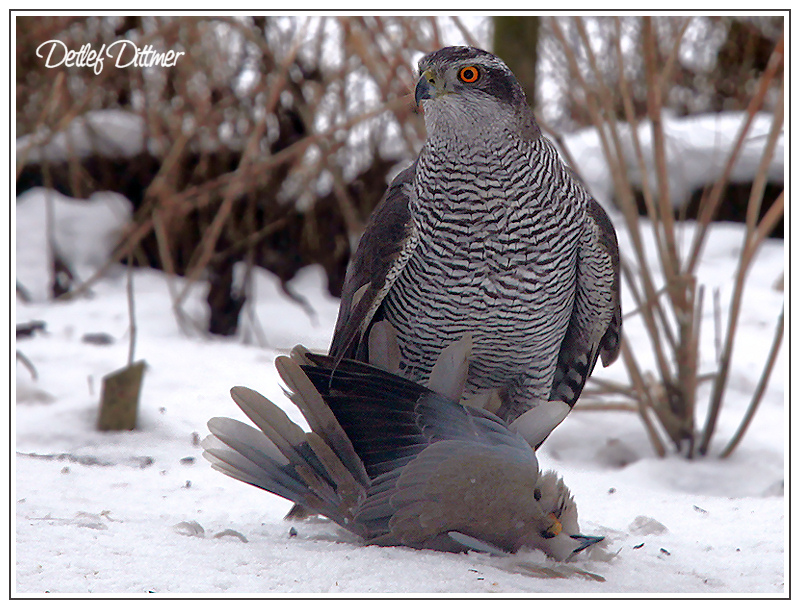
468,74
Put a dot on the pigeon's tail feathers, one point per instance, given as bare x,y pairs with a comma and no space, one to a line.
239,451
281,458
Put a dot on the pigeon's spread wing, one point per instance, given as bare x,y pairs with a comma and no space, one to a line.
391,420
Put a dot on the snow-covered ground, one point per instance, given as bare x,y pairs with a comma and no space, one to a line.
141,511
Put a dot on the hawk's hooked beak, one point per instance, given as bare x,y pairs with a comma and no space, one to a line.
426,87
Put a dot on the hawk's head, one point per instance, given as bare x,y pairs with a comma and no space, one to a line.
462,87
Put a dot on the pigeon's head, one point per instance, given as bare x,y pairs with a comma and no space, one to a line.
555,529
463,89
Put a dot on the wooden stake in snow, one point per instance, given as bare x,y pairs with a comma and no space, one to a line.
119,403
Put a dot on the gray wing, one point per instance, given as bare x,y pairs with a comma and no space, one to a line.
425,454
595,327
382,253
391,420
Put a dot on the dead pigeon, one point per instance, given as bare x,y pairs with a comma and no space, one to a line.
396,462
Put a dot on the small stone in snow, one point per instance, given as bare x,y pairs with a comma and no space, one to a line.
231,533
644,525
192,529
97,338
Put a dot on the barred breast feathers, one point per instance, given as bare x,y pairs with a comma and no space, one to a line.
497,249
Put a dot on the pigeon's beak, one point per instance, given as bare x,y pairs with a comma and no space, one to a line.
426,87
585,541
